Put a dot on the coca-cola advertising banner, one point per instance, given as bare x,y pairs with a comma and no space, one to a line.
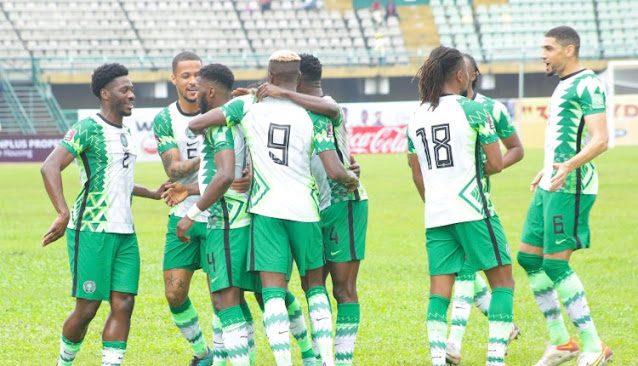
378,139
27,148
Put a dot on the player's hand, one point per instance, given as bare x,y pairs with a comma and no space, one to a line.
356,169
558,179
56,230
353,182
243,91
157,194
242,184
175,193
269,90
535,181
182,227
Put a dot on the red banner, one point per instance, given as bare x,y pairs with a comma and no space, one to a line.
378,139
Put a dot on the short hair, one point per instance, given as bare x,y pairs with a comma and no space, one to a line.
217,73
474,68
284,56
104,75
310,67
184,56
565,36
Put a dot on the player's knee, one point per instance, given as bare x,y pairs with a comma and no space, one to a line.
530,262
345,292
86,312
175,298
123,305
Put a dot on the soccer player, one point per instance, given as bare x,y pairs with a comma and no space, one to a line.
344,215
469,287
557,221
103,251
179,151
447,137
281,137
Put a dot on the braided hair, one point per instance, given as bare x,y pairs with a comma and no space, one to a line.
443,62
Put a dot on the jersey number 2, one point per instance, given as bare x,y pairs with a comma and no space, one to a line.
442,149
279,139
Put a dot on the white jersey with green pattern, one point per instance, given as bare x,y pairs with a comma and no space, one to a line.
106,157
281,137
576,96
330,191
500,115
171,132
448,143
230,211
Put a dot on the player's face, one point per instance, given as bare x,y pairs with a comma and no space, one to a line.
185,80
553,55
464,79
202,95
121,96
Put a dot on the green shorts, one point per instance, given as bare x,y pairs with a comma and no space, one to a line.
483,242
273,242
344,226
226,257
185,255
558,221
102,262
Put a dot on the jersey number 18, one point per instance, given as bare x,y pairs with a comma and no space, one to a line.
442,149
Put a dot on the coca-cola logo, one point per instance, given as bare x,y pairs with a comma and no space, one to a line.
378,140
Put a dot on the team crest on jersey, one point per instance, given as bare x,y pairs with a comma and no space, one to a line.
89,287
70,135
491,121
189,133
123,140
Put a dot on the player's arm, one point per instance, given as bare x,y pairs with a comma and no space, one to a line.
223,178
336,171
417,175
214,117
141,191
51,172
507,133
176,169
310,102
354,166
176,193
599,138
494,163
514,152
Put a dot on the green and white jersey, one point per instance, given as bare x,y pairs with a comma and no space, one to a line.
500,115
171,132
448,143
576,96
230,211
330,191
281,137
106,157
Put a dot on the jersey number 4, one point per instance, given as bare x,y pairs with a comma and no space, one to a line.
442,149
278,140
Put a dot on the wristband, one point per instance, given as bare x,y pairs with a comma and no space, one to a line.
193,212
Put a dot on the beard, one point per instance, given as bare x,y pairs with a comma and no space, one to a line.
463,93
203,105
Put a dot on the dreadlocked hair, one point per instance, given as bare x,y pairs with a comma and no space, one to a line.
435,71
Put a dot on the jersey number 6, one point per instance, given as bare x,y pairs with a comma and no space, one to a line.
442,149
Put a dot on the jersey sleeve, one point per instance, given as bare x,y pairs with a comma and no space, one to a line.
235,110
163,130
480,120
323,136
79,137
411,149
338,120
591,96
220,138
502,120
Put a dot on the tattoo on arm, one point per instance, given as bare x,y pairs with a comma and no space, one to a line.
178,169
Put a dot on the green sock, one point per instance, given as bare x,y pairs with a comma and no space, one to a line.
482,295
235,335
348,318
461,306
500,324
277,324
437,328
68,351
546,297
113,353
185,317
220,357
572,294
321,319
250,329
299,329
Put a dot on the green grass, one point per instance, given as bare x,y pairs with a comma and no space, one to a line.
393,282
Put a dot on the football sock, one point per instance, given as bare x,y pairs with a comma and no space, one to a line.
546,297
348,317
250,329
461,306
68,351
572,294
298,329
113,353
235,335
482,295
321,319
220,357
500,325
437,328
185,317
277,324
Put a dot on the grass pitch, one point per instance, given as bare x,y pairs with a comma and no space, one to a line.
35,282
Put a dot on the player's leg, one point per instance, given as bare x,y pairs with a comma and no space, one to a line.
220,357
344,235
299,329
567,230
445,259
74,329
180,262
486,248
270,256
461,307
250,327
